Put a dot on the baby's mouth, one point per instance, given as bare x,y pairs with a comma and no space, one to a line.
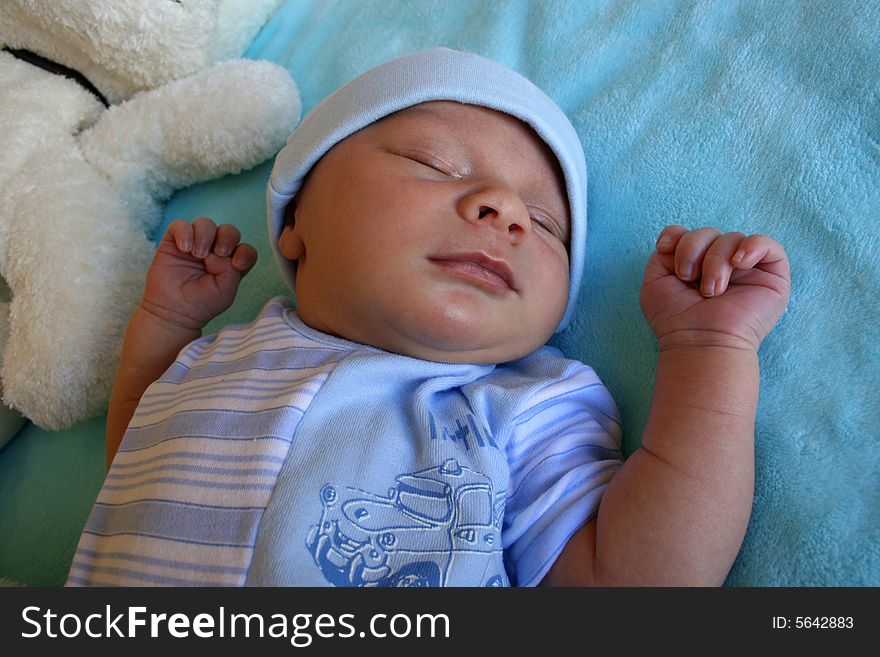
489,273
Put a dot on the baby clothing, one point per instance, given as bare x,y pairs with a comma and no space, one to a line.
273,454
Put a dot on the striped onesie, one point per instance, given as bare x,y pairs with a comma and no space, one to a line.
273,454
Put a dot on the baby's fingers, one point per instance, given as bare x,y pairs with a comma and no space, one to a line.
761,251
229,270
244,257
203,238
204,232
668,239
717,267
228,237
180,232
690,251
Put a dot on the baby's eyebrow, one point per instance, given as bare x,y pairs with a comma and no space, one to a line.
423,108
438,119
409,117
442,136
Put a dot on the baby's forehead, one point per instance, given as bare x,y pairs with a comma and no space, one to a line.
457,114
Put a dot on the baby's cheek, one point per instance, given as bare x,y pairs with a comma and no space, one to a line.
556,280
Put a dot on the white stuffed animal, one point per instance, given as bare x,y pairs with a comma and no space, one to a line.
81,185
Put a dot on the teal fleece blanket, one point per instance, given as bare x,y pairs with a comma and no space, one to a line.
747,115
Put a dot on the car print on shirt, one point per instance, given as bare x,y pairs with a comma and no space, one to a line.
437,527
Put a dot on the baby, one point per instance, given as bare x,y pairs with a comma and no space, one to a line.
405,425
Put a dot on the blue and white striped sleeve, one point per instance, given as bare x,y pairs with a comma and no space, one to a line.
564,451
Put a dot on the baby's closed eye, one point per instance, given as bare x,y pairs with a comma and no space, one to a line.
435,162
546,222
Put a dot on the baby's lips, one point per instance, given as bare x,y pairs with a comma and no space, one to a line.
495,272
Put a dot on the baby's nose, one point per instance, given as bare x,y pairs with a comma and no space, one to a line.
499,206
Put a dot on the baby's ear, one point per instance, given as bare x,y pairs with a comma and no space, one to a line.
290,243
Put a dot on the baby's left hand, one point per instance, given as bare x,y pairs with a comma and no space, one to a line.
702,287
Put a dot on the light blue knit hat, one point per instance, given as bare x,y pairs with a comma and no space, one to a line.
438,74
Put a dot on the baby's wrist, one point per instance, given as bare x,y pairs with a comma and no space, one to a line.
702,339
166,320
704,381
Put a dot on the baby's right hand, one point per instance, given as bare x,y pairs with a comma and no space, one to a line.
195,272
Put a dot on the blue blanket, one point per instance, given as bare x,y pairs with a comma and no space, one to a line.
754,116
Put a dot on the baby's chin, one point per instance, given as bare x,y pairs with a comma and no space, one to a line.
448,337
454,325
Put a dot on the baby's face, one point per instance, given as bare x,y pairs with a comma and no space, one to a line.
439,232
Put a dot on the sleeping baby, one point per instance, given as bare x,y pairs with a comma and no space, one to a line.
404,424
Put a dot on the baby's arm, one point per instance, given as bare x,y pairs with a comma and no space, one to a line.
193,278
677,511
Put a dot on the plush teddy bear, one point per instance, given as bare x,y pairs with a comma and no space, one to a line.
82,184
